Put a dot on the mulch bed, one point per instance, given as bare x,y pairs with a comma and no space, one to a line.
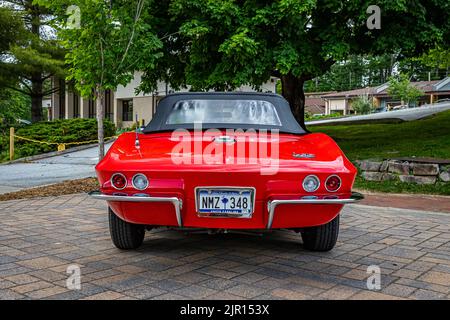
58,189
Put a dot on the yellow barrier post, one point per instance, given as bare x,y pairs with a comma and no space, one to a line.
11,143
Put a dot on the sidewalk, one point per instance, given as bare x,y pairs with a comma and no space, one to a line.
50,170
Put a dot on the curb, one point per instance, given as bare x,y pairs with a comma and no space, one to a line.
54,153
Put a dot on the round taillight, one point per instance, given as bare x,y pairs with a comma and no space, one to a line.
139,181
333,183
118,181
311,183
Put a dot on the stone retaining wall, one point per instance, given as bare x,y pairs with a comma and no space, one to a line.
405,171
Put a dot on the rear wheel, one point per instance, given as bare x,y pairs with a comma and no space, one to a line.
321,238
125,235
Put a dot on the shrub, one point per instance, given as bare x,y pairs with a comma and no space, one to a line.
58,131
362,105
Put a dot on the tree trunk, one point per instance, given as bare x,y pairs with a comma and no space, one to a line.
292,91
99,94
36,98
36,77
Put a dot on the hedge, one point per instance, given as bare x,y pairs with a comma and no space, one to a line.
59,131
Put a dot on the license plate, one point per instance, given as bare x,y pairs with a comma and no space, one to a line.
225,202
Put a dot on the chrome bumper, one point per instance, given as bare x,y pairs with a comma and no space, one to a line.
177,203
271,205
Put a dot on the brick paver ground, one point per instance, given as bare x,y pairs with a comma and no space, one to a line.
40,238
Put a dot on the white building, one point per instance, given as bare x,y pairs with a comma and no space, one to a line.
123,105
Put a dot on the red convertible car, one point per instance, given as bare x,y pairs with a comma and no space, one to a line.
225,161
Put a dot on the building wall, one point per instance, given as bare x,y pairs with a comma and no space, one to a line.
335,105
144,105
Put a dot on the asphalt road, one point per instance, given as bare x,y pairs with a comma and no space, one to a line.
75,165
405,115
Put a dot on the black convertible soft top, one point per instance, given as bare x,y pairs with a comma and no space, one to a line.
285,120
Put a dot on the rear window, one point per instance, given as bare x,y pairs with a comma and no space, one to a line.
245,112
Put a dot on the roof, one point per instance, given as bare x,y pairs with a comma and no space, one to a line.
314,104
382,90
309,102
351,93
315,109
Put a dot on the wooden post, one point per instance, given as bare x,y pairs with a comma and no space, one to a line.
11,143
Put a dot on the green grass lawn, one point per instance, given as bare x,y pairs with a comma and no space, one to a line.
428,137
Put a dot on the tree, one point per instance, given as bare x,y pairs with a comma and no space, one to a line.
224,44
357,71
13,106
437,58
362,105
11,29
33,58
111,42
401,88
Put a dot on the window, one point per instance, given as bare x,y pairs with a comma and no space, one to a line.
92,111
127,110
108,107
76,106
62,99
243,112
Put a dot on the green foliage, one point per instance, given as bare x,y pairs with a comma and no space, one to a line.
437,58
13,106
362,105
114,39
224,44
401,88
59,131
30,55
440,187
357,71
11,28
312,117
420,138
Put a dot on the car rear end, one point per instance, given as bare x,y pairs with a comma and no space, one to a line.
301,192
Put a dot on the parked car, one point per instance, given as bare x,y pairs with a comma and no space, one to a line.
400,107
161,177
443,100
379,110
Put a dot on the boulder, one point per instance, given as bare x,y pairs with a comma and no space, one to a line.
368,165
389,177
425,169
384,166
445,176
372,176
398,167
418,179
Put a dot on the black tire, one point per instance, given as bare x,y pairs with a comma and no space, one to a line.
321,238
125,235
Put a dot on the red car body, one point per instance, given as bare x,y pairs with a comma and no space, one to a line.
280,201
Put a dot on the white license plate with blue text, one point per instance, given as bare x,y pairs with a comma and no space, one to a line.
223,202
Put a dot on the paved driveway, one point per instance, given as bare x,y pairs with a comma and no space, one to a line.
40,238
405,115
75,165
